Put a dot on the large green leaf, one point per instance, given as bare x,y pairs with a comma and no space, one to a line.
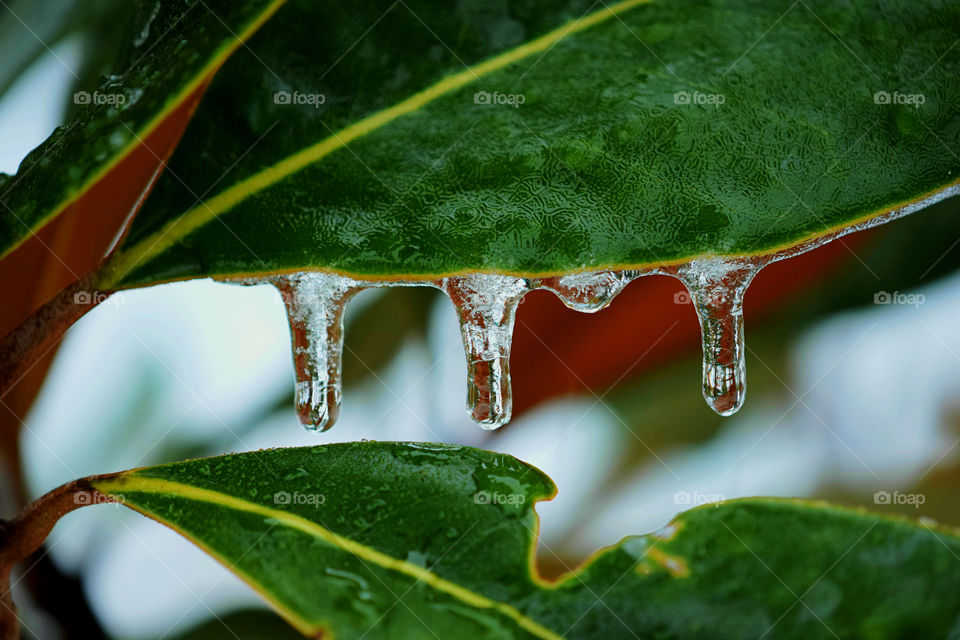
178,46
404,540
621,152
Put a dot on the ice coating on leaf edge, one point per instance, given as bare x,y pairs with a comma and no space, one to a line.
486,306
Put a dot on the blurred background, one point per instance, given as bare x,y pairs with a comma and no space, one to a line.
851,393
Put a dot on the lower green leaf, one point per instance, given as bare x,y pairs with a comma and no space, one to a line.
407,540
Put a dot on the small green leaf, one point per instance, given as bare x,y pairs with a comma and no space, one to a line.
538,137
178,48
405,540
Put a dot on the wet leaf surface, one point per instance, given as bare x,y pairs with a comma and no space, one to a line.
531,138
385,540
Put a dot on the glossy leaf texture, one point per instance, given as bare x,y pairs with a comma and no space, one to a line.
176,47
422,138
391,540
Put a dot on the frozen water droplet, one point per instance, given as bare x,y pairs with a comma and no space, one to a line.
486,305
117,138
588,291
133,96
717,288
315,304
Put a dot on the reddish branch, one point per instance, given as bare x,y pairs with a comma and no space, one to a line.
24,534
25,345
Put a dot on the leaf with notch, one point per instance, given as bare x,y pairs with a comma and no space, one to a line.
411,540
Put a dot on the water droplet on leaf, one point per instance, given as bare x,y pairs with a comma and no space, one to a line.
588,291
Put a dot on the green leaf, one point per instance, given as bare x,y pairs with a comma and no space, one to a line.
252,624
171,57
405,540
649,132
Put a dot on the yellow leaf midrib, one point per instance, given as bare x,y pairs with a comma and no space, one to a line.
216,60
124,484
180,227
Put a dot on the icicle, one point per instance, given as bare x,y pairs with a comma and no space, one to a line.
487,305
315,304
717,288
588,291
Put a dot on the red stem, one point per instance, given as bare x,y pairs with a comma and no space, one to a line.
22,347
26,533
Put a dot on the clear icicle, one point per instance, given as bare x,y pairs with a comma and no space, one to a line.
315,304
486,305
717,288
588,291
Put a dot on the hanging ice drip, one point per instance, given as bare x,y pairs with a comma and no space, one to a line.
717,288
588,291
486,306
315,303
